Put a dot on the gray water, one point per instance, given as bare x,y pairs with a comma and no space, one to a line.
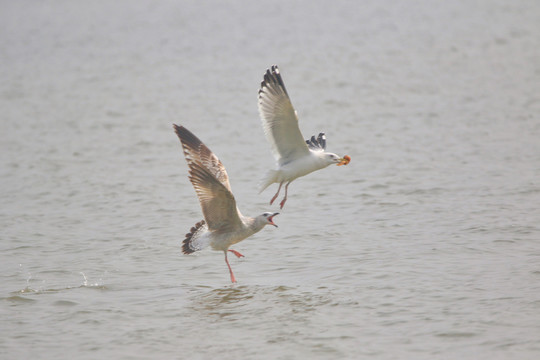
426,246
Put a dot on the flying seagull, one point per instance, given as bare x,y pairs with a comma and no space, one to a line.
223,224
294,156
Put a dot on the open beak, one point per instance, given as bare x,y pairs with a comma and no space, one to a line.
271,221
344,161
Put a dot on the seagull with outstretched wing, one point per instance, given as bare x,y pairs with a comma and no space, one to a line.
295,156
223,224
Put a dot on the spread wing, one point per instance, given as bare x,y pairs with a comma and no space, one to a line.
279,119
210,181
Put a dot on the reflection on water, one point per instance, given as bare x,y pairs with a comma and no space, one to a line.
275,310
242,299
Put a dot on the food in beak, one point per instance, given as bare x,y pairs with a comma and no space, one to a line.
346,159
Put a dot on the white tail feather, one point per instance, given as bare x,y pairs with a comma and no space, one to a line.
269,179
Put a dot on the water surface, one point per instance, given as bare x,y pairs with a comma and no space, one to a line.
425,246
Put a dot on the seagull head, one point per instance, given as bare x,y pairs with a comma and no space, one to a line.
331,158
267,218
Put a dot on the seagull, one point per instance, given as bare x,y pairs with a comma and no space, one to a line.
294,156
223,224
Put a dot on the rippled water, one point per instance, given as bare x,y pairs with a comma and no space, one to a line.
425,246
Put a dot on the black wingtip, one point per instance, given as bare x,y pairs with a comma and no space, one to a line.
317,143
179,130
182,133
187,137
273,76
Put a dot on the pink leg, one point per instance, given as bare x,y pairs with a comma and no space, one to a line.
238,255
285,198
275,196
233,280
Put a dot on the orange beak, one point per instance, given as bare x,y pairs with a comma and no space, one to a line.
346,160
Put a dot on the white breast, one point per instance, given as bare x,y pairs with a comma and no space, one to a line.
301,167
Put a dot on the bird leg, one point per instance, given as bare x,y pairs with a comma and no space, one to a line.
238,255
285,198
275,196
233,280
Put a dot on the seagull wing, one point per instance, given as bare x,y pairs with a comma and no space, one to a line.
318,144
279,119
211,183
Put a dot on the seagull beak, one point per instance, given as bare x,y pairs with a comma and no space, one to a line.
344,161
271,221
